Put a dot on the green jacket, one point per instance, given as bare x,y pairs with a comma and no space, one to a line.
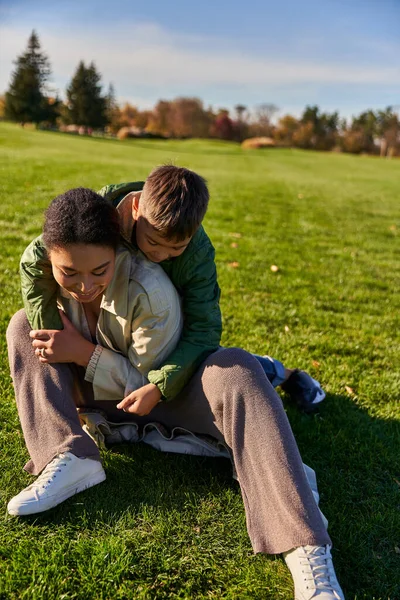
193,273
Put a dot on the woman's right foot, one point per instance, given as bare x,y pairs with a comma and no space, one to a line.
65,476
313,573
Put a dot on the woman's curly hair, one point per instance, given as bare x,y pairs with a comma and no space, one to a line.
80,216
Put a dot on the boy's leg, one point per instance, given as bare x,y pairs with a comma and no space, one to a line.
305,391
274,369
46,397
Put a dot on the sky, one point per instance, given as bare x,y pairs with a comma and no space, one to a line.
339,54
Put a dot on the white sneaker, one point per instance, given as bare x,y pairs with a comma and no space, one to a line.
63,477
313,573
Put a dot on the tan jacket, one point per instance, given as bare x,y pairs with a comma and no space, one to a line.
139,325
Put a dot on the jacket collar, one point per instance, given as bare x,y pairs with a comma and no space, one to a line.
126,220
116,296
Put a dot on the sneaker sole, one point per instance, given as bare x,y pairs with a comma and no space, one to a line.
319,396
80,486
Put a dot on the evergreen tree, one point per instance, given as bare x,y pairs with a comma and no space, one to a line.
25,100
86,106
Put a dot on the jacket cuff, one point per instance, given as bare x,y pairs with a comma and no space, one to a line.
157,378
91,368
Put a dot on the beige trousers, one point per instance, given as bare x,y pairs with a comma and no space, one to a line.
229,398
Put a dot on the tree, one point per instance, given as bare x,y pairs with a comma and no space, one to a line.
86,105
160,118
112,110
318,130
388,129
223,126
241,122
25,100
2,107
187,118
262,120
285,130
360,136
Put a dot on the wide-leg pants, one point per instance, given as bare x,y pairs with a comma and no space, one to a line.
229,398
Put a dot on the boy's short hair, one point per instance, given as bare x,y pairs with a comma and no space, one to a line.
174,201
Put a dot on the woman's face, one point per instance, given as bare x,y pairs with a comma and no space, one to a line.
83,270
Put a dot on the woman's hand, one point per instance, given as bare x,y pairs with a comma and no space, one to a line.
141,401
65,346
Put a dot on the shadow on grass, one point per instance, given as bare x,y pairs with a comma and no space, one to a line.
357,463
356,458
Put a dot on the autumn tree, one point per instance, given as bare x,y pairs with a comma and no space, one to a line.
187,118
223,126
128,114
285,130
2,106
25,100
159,122
86,104
360,135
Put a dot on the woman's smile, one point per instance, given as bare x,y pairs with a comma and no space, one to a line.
83,270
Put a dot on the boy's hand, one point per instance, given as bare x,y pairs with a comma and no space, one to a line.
67,345
141,401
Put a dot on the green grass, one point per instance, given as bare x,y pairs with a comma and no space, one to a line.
167,526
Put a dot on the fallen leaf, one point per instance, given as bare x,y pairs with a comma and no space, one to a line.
397,481
287,328
300,196
274,268
393,228
234,245
397,549
235,235
316,364
349,390
234,265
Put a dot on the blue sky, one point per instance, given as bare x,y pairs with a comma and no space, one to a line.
340,54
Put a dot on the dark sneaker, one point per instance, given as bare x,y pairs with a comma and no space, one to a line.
305,391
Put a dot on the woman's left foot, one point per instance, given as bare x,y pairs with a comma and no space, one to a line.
305,391
313,573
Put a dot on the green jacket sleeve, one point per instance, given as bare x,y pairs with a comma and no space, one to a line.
202,328
39,288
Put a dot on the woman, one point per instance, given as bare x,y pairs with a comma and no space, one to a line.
122,317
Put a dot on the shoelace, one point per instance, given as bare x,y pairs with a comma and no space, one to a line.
50,471
319,574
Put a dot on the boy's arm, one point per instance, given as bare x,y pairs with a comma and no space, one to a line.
202,327
39,288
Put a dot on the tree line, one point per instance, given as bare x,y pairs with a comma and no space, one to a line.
87,108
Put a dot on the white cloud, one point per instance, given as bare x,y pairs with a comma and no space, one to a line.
146,56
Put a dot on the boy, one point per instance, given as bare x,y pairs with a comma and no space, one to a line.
162,217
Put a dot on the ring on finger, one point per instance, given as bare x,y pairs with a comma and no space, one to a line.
42,352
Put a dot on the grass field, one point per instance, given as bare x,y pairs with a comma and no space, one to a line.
166,526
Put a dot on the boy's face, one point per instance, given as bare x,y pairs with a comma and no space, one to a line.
155,247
